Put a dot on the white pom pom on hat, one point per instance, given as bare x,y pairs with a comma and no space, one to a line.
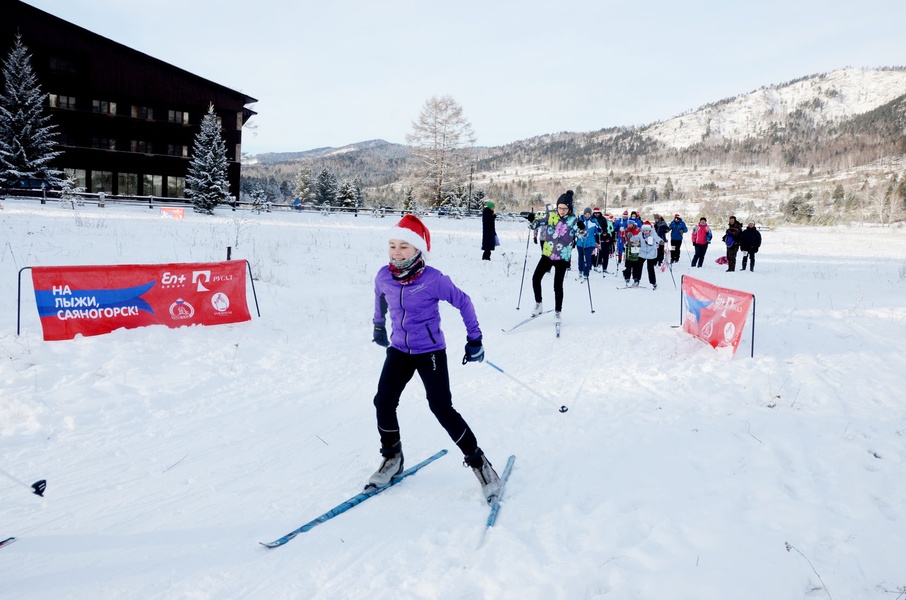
411,230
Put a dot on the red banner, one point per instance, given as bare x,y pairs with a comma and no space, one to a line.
93,300
714,314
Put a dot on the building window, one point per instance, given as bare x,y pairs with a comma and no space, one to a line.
154,185
178,116
103,107
141,146
178,150
80,176
62,65
103,143
176,187
143,112
127,184
57,101
102,181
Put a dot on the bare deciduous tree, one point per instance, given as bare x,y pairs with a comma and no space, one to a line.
442,137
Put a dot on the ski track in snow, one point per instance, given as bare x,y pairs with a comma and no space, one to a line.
677,472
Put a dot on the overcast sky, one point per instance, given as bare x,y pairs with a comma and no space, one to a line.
335,72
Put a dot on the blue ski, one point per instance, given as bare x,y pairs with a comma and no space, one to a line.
495,506
354,501
521,323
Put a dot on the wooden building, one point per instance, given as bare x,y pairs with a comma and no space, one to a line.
126,121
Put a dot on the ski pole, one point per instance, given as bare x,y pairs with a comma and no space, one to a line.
590,304
36,488
524,264
670,265
563,408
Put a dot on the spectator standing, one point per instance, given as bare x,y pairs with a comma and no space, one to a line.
489,240
701,237
749,243
731,239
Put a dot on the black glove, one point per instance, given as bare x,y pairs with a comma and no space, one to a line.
380,336
474,351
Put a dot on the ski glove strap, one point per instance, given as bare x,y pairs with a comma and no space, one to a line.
474,351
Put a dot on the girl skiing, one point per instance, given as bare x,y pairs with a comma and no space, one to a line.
559,229
411,291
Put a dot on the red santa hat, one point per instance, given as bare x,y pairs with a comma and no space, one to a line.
646,226
411,230
596,209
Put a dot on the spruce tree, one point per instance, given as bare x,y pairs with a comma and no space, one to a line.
346,195
303,185
326,188
27,139
207,181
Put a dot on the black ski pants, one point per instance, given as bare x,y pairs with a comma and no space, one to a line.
633,269
750,257
675,250
543,268
731,257
399,368
699,259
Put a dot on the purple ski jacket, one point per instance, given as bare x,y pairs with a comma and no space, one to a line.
414,310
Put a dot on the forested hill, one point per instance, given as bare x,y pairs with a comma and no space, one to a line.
834,121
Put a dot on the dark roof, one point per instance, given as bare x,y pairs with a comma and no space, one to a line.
35,24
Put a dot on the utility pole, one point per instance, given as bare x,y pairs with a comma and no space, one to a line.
469,202
606,184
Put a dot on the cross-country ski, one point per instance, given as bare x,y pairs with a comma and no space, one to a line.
354,501
524,321
7,541
504,477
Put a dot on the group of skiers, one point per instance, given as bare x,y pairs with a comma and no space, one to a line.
416,343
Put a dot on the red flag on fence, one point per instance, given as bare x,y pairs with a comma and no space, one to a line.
93,300
714,314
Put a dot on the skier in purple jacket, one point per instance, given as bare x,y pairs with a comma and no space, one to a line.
411,290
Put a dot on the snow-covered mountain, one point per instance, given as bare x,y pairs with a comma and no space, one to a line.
825,98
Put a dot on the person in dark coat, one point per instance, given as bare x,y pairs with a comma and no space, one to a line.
749,242
731,239
488,230
662,229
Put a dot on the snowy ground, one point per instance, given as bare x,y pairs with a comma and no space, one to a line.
677,473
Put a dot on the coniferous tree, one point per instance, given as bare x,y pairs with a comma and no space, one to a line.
27,139
346,195
359,193
207,181
326,188
303,184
